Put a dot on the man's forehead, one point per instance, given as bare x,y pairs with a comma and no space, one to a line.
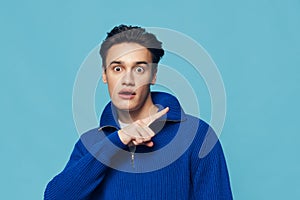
128,52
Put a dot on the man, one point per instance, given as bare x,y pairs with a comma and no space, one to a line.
146,146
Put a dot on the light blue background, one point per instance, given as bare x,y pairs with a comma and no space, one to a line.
255,44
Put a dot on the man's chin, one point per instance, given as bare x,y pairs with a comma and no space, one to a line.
126,108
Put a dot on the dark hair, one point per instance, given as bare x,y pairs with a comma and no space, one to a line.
134,34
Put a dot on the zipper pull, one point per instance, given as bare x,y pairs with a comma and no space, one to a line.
132,149
132,159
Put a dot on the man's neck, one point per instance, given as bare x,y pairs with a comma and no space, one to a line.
146,110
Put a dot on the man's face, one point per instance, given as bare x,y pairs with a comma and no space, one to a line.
129,74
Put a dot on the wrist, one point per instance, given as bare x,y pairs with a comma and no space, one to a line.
125,139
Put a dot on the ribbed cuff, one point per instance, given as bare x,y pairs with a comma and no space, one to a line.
114,138
107,148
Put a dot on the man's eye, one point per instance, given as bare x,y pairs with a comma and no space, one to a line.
117,69
139,69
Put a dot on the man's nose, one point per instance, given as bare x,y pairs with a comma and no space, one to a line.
128,79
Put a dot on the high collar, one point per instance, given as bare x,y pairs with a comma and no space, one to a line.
160,99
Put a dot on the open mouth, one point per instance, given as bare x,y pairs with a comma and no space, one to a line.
127,94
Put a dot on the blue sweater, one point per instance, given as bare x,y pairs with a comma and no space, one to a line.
100,166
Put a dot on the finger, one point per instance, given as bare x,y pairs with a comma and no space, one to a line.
124,137
148,144
145,129
149,120
144,134
132,130
149,131
125,132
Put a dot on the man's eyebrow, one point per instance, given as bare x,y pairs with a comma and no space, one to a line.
141,62
137,63
115,62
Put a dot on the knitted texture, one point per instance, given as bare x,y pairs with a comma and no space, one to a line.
100,167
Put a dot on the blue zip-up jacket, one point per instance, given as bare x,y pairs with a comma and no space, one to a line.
101,166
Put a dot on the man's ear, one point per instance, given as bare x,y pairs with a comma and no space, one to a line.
104,78
153,80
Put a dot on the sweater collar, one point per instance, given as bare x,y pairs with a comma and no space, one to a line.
160,99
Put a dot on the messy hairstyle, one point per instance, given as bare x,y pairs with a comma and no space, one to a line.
132,34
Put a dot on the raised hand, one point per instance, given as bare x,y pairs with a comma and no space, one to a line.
139,132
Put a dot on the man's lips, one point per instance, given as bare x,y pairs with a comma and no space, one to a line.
126,94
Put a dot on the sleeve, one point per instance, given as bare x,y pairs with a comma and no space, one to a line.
210,178
83,172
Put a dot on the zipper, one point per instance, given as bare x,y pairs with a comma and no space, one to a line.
132,149
131,146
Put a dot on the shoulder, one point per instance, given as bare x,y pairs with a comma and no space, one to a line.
90,135
89,138
205,138
195,124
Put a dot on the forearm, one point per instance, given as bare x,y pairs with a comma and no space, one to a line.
209,173
76,181
84,172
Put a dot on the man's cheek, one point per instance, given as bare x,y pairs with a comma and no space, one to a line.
143,83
